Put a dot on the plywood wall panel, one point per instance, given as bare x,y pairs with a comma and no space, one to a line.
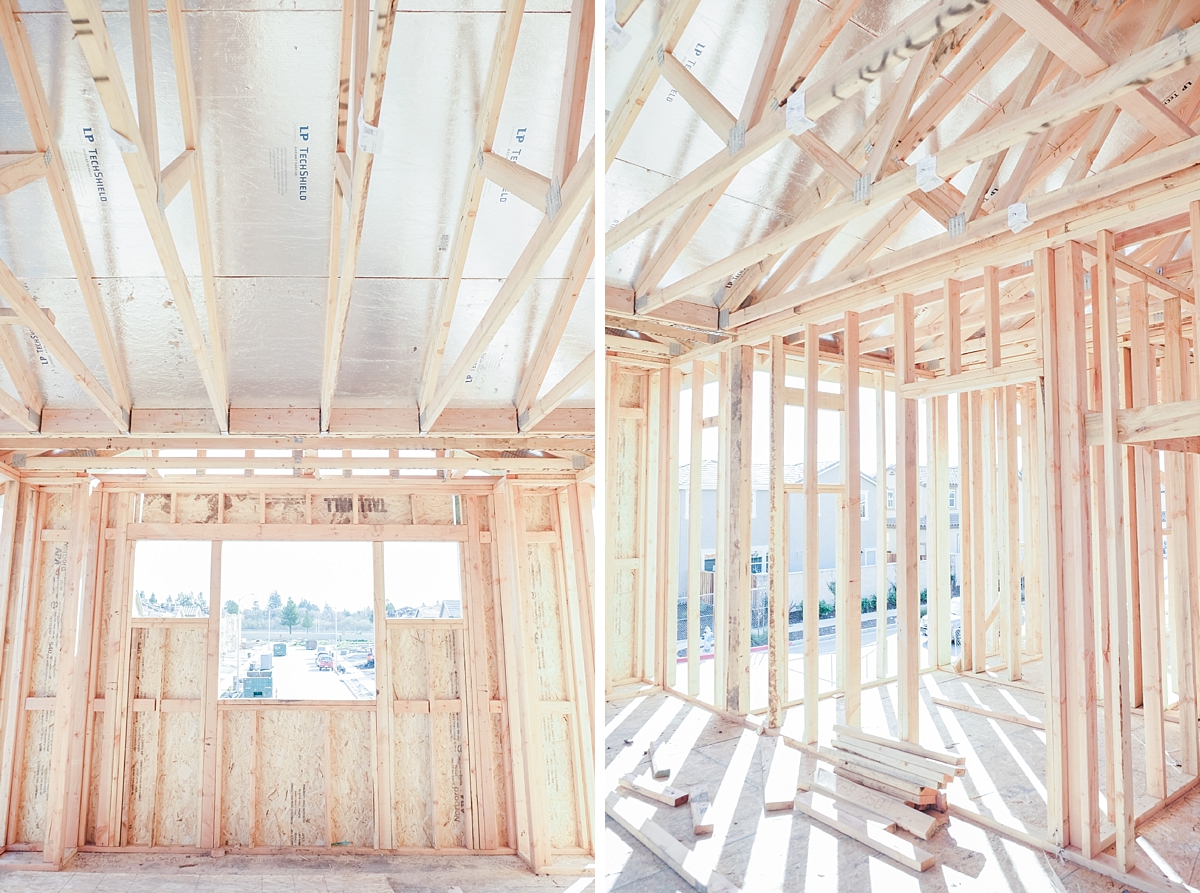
502,773
143,779
286,509
559,780
56,514
240,508
184,663
352,799
156,508
333,508
196,508
410,666
236,777
547,623
449,767
177,804
290,778
34,776
51,583
432,508
411,750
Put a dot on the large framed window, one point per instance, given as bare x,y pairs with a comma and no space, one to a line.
297,620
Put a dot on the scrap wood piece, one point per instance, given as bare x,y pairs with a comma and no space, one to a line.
924,796
990,713
699,802
911,820
654,790
658,763
780,766
937,775
635,818
886,773
826,811
940,756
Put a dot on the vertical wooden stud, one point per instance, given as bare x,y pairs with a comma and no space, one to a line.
812,536
851,600
908,644
777,622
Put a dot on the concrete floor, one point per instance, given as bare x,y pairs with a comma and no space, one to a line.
787,852
122,873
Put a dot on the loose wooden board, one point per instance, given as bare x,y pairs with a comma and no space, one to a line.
927,798
633,817
699,802
884,772
826,811
911,820
658,762
654,790
780,766
907,746
934,777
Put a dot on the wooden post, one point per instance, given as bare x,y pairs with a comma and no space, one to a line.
966,498
1117,716
1046,392
1146,517
941,518
60,841
736,460
934,548
650,528
385,827
1079,641
1179,569
777,631
668,536
723,511
979,540
210,693
991,527
851,600
695,519
1031,495
908,642
881,533
812,536
1010,548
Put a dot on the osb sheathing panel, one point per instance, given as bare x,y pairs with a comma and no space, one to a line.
241,508
558,775
501,772
351,769
156,508
396,510
621,596
196,508
624,489
34,776
538,514
333,508
432,508
630,393
286,509
448,774
291,778
93,794
236,777
547,623
56,515
449,807
166,747
410,748
51,590
411,737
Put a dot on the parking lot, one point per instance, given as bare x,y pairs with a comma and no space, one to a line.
296,676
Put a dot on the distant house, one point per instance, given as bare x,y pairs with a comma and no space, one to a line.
828,473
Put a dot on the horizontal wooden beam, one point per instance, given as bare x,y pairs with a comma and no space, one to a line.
305,461
347,532
529,186
178,174
1160,422
17,170
10,317
975,380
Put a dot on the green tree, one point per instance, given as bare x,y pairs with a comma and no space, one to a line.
274,601
231,607
307,622
290,616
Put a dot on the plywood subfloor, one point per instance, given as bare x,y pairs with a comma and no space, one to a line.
126,873
787,852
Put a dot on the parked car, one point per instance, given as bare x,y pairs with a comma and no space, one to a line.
955,622
324,660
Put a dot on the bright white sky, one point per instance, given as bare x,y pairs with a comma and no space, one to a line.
341,574
829,433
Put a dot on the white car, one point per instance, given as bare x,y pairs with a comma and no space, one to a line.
955,622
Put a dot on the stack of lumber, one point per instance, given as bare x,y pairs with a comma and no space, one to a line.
880,784
908,772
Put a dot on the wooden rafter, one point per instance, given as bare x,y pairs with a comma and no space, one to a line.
93,37
338,306
37,112
492,98
575,193
575,379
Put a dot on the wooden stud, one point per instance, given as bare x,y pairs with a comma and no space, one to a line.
385,795
734,565
777,562
210,819
850,595
908,643
881,532
695,519
1010,557
812,537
